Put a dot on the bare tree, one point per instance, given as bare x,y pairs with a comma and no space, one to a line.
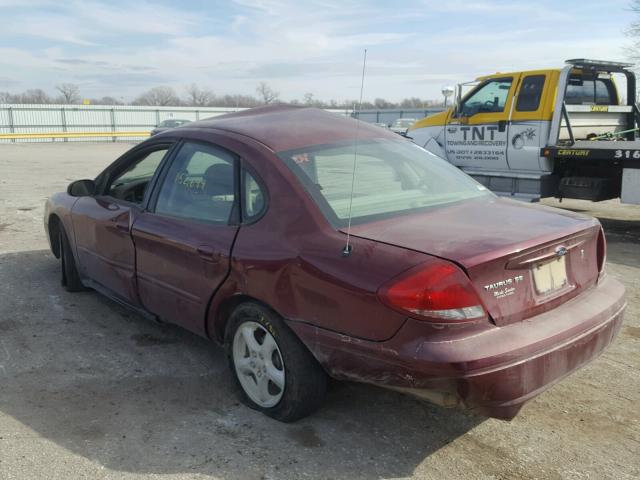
199,97
158,96
70,92
381,103
266,93
633,31
35,95
237,101
107,100
308,98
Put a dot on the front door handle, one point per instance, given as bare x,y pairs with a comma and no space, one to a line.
122,227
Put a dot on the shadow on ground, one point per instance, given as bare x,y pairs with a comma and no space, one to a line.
624,233
140,397
625,236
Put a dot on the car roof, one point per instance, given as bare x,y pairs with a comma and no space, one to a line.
287,127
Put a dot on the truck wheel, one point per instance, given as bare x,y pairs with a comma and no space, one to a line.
276,373
70,277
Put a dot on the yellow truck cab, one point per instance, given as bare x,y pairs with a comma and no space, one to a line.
560,132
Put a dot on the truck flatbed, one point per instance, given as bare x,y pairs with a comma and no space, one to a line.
627,152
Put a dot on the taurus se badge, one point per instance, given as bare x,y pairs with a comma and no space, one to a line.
504,288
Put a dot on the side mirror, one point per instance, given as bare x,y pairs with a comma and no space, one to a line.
82,188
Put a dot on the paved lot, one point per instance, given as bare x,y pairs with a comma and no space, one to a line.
91,390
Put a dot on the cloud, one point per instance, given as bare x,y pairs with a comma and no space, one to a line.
90,23
7,82
119,48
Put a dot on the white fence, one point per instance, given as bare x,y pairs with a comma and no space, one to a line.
391,115
77,123
75,119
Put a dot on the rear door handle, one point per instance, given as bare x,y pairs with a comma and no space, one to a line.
208,253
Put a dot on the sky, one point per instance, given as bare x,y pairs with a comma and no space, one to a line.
414,48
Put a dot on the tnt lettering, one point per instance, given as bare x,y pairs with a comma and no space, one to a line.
478,133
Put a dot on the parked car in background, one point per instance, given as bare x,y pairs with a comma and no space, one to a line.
401,125
168,124
236,228
380,124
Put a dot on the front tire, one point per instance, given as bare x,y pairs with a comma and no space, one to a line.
70,277
275,372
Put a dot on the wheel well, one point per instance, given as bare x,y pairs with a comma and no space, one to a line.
224,312
54,234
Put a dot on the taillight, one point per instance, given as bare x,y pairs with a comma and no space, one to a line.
439,292
601,252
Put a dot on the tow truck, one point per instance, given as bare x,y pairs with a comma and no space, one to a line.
563,132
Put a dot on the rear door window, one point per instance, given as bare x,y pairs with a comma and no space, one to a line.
199,185
254,201
530,93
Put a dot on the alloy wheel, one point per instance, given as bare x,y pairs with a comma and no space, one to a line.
258,364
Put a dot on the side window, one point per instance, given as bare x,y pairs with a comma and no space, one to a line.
489,97
253,196
530,93
199,185
131,184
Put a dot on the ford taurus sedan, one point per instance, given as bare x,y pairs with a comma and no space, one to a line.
311,246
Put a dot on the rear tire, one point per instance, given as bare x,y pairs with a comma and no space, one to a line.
70,278
274,371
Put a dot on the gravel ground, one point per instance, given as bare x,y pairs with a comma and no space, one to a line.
91,390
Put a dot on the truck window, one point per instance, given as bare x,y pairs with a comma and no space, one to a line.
488,97
530,93
590,91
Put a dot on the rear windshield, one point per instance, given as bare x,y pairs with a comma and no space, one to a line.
392,177
590,91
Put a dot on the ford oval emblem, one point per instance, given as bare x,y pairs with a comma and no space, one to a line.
561,251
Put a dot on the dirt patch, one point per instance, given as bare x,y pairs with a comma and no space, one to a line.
305,437
7,325
632,331
146,340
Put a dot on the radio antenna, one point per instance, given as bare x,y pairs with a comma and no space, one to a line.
347,248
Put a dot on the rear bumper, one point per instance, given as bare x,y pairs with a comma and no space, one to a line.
490,370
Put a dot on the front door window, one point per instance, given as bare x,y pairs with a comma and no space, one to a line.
489,97
131,184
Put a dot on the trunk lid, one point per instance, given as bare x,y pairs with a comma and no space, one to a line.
522,259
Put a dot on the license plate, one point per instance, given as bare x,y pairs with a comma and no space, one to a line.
550,276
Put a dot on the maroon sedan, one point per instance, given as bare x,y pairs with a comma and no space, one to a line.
237,228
